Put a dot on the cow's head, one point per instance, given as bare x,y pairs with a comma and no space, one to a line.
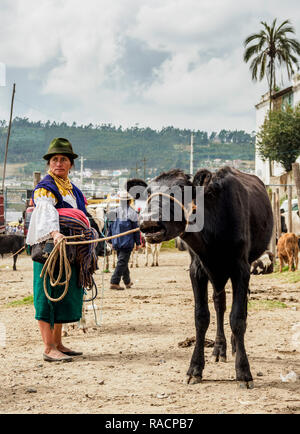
164,218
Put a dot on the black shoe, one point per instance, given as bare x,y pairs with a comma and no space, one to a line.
52,359
72,353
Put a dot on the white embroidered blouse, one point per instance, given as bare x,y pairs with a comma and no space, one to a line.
45,217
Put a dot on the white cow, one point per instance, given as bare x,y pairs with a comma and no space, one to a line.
264,264
148,248
133,257
295,222
154,249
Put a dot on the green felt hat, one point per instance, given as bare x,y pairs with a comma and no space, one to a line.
60,146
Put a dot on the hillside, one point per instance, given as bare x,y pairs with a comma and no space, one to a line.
108,147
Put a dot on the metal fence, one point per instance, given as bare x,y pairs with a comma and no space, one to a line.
15,202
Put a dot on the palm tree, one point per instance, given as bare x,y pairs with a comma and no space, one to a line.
272,45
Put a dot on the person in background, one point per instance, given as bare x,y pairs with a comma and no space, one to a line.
123,219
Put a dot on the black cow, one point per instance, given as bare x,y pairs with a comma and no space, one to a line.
180,244
11,243
264,264
238,223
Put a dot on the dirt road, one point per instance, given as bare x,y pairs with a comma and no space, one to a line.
132,361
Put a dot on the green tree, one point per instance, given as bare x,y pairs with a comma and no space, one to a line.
271,46
279,136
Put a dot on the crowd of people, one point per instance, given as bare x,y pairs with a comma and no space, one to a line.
15,229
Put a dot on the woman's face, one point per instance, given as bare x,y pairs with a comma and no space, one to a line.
60,165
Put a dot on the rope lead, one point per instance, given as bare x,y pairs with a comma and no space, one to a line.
60,251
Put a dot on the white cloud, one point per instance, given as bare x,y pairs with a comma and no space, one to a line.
136,61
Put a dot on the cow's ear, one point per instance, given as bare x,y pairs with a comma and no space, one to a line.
136,188
202,178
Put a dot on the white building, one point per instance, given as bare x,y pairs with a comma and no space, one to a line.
290,95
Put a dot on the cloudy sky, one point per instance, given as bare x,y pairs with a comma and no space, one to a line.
148,62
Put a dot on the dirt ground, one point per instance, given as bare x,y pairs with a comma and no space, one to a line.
132,361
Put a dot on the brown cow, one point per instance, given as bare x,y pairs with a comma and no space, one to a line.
287,248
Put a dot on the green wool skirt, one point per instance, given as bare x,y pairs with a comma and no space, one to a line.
69,309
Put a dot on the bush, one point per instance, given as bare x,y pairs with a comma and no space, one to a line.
279,137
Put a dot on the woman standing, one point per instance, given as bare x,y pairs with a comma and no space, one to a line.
57,201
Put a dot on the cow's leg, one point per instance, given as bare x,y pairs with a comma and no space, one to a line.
147,254
280,262
290,261
158,250
137,259
296,259
106,263
202,317
219,352
131,259
15,263
238,316
152,254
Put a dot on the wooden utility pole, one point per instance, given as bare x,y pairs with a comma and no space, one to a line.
296,173
278,218
144,161
273,239
192,155
8,134
36,178
136,168
290,221
81,171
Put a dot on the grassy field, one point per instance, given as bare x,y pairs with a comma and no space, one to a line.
286,276
22,302
265,305
168,244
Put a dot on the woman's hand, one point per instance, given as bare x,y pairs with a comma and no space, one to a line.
57,236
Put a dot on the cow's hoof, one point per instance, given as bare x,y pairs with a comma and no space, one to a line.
246,385
194,379
216,358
